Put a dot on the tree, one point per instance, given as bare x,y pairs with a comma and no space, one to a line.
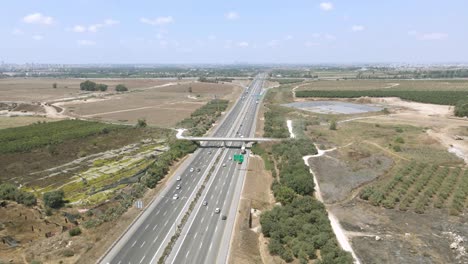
101,87
88,86
333,125
54,85
461,108
75,231
54,199
190,89
121,88
7,191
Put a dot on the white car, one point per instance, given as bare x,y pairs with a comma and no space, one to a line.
191,169
217,211
224,164
175,197
178,178
230,158
178,187
205,203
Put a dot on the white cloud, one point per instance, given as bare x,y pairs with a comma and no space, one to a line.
159,21
428,36
37,37
311,44
85,42
433,36
288,37
326,6
159,36
329,37
17,32
273,43
110,22
357,28
228,44
38,18
79,29
232,15
95,27
211,37
243,44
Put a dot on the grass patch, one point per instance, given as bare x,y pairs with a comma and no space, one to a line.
27,138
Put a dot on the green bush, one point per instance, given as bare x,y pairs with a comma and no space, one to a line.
68,253
74,231
461,108
121,88
10,192
54,199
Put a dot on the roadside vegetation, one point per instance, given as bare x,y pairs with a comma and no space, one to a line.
204,117
419,187
287,81
430,96
299,228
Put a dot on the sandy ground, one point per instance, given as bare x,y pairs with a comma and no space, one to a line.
438,118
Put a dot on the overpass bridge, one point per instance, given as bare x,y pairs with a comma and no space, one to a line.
244,140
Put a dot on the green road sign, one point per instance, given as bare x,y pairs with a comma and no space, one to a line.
239,158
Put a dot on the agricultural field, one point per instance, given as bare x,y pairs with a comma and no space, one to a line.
420,187
41,89
163,106
393,85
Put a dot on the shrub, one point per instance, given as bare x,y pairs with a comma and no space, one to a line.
397,148
399,140
54,199
121,88
74,231
461,108
68,253
333,125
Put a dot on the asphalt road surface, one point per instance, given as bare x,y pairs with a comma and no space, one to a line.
145,241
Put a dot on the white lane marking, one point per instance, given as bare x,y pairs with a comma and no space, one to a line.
203,219
211,196
159,211
186,255
195,236
155,227
119,262
165,212
142,258
216,229
133,243
206,229
156,238
165,224
211,244
147,226
201,244
142,244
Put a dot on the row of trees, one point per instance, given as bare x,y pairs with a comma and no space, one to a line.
92,86
430,96
203,118
419,185
299,227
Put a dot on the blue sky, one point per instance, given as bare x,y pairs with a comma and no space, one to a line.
295,31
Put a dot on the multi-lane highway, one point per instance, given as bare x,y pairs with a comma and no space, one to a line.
206,237
145,241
